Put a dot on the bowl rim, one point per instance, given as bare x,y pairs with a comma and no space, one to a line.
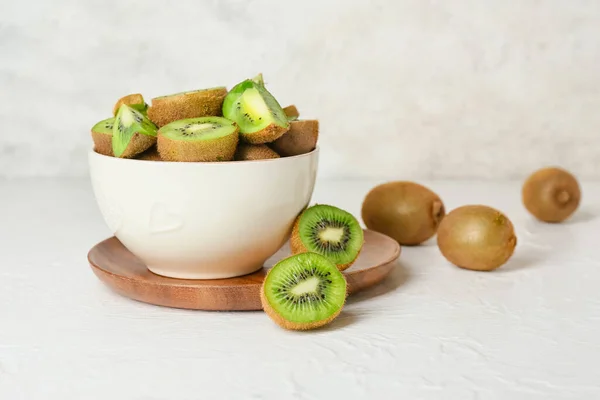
93,153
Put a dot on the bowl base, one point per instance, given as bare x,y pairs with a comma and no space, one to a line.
169,273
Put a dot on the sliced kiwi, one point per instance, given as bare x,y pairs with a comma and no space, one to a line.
135,101
259,116
406,211
198,139
149,155
102,136
329,231
247,152
133,133
303,292
184,105
292,112
476,237
259,79
551,194
300,139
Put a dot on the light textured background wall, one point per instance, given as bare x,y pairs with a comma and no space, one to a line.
403,88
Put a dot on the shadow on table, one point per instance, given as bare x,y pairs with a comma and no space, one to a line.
397,277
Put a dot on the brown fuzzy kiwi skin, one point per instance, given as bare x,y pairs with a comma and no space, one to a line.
266,135
291,111
222,149
250,152
551,194
167,109
289,325
102,143
135,98
476,237
297,246
138,144
300,139
149,155
406,211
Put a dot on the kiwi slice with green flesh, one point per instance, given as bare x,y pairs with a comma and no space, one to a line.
135,101
133,133
551,194
476,237
300,139
185,105
291,112
259,116
329,231
149,155
198,139
406,211
259,79
303,292
102,136
248,152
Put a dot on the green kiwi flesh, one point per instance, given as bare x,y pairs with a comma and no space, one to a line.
133,133
198,139
257,113
102,136
303,292
329,231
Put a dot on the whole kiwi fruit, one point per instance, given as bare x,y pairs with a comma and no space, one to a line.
406,211
551,194
476,237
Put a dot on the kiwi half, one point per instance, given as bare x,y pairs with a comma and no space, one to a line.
133,133
292,112
476,237
303,292
184,105
247,152
135,101
406,211
259,116
300,139
102,136
551,194
329,231
198,139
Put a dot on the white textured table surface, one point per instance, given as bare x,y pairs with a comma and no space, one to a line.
530,330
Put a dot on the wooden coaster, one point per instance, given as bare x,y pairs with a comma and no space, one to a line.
127,275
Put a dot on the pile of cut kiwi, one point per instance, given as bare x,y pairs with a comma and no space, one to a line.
242,124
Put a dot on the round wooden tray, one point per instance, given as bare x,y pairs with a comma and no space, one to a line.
127,275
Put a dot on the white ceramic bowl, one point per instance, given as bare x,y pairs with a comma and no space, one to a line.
202,220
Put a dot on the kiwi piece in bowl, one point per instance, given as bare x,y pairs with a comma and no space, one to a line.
198,139
102,136
304,291
150,155
300,139
133,133
292,112
249,152
257,113
185,105
135,101
329,231
551,194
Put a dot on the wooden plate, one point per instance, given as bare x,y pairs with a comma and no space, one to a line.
127,275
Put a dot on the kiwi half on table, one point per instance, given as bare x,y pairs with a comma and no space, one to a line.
300,139
102,136
198,139
184,105
551,194
249,152
259,116
133,133
135,101
329,231
302,292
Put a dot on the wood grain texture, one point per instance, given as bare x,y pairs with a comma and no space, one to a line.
123,272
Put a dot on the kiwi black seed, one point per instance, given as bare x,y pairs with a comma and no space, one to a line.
303,292
185,105
102,136
551,194
300,139
292,112
329,231
406,211
248,152
198,139
476,237
135,101
133,133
